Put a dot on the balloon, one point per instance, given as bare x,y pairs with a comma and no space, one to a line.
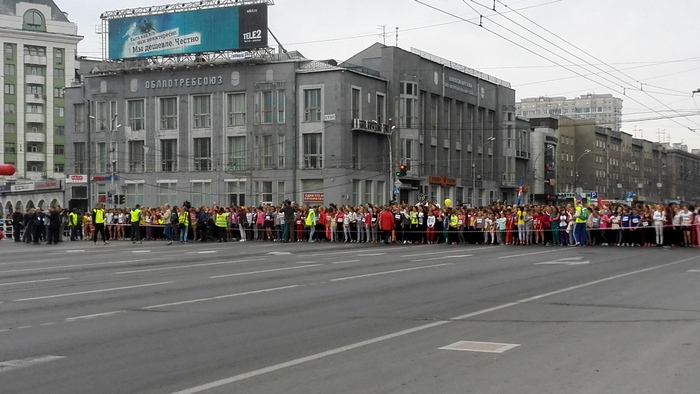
448,203
7,169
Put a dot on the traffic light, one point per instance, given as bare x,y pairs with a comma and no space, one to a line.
402,170
115,199
122,199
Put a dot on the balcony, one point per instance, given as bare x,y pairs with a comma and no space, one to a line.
31,156
35,59
369,126
35,80
34,99
34,118
35,137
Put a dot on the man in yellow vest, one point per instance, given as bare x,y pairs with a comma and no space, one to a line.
454,223
73,224
98,220
221,223
135,224
311,223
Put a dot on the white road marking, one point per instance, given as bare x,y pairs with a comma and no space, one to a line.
279,253
481,347
557,262
390,272
71,266
529,254
442,258
27,362
263,272
370,254
207,251
306,262
313,357
693,270
87,317
24,327
93,291
32,281
446,252
140,251
346,262
185,266
75,251
219,297
329,254
47,324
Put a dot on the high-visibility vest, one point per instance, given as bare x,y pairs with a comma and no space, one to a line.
183,218
73,219
135,215
220,220
311,218
98,216
454,220
414,217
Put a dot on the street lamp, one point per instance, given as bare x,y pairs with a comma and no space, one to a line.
534,164
587,151
488,140
112,160
389,137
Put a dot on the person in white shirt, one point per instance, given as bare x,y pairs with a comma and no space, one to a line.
659,218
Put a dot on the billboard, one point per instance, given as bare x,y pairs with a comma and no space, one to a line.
207,30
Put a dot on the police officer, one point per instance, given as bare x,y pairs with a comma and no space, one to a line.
135,223
98,220
220,225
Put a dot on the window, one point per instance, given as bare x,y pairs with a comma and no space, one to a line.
10,69
407,105
281,105
381,108
33,20
10,147
167,192
168,113
168,150
59,112
202,154
58,92
134,194
102,157
10,128
381,193
35,109
312,105
79,111
59,168
59,73
58,56
263,192
280,192
10,108
355,192
202,111
235,193
280,151
34,70
267,107
433,116
267,152
355,103
9,88
36,166
79,152
136,119
101,116
58,149
34,51
368,192
313,152
236,109
408,156
36,90
236,153
201,193
9,52
136,156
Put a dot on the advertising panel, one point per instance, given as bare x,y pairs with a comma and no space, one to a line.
206,30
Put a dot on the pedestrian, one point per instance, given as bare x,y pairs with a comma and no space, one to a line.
135,224
98,219
54,227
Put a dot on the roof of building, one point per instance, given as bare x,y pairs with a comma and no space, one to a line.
9,7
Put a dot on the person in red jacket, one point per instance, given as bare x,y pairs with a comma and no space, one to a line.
386,224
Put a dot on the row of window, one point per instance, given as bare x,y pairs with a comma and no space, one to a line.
11,128
11,108
270,155
58,53
33,147
37,90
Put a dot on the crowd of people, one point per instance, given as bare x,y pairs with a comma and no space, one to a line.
574,224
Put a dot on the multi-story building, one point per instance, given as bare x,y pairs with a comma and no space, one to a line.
262,130
39,46
604,109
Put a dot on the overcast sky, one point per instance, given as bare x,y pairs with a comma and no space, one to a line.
644,51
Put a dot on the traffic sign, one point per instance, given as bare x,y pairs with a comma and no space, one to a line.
397,183
594,195
630,195
397,191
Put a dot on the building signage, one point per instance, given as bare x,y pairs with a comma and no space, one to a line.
5,188
460,86
76,179
28,187
47,185
100,178
175,33
442,181
184,82
313,197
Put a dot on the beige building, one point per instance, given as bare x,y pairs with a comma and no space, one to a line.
604,109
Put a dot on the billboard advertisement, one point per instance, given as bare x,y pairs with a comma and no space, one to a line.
206,30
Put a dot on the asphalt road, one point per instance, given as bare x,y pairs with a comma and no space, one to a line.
347,318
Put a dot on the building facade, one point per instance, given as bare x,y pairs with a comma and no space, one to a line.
38,61
604,109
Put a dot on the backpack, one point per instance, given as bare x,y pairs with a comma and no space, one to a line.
584,213
173,218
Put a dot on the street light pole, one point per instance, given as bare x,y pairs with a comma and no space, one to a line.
389,182
488,140
587,151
